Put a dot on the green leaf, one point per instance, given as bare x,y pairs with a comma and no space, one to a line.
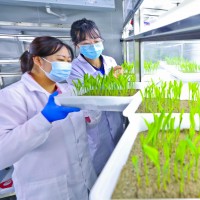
152,154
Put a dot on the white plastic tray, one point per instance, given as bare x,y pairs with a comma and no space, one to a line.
160,74
103,103
105,184
186,77
137,100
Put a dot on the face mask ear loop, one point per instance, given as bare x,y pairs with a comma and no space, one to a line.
42,70
45,60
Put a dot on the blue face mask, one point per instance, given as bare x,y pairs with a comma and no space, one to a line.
92,51
60,71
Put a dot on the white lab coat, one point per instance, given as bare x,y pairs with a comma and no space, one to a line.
51,161
103,136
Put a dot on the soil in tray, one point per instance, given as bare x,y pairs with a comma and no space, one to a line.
127,187
130,92
177,106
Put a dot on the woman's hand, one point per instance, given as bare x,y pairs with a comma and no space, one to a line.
117,70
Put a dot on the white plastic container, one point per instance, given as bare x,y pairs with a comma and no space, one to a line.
137,100
186,77
102,103
105,184
160,74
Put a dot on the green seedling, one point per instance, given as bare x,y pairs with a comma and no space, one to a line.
195,152
166,167
183,65
107,85
153,155
179,162
166,95
150,67
136,167
142,142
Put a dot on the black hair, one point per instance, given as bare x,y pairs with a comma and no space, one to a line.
83,27
41,46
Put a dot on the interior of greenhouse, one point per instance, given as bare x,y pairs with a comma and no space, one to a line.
99,99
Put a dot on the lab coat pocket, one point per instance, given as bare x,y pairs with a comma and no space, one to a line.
48,189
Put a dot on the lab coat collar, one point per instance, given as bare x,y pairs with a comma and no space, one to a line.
31,84
85,63
82,59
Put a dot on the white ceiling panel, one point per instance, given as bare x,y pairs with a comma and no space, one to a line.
152,9
72,4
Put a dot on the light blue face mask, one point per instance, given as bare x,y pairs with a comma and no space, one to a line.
92,51
60,71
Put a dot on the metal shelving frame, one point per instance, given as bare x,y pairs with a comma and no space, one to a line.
186,29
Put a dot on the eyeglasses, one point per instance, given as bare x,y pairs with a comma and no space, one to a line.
89,42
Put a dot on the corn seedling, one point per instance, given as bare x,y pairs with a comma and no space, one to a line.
153,154
174,60
166,168
163,139
150,67
165,96
142,142
136,167
128,67
189,67
193,90
183,65
107,85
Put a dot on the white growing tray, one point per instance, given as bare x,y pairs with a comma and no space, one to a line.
106,182
103,103
186,77
137,100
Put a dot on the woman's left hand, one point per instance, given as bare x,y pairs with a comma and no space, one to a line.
117,70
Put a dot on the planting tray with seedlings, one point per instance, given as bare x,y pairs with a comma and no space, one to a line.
157,157
105,93
150,67
173,96
103,103
183,70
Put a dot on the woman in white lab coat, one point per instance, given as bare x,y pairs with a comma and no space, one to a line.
46,143
103,136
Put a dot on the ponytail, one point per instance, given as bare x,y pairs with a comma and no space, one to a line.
26,62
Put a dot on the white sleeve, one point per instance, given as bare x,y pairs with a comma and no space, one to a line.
114,62
109,64
78,73
75,75
18,135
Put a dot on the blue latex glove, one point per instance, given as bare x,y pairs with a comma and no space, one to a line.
53,112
